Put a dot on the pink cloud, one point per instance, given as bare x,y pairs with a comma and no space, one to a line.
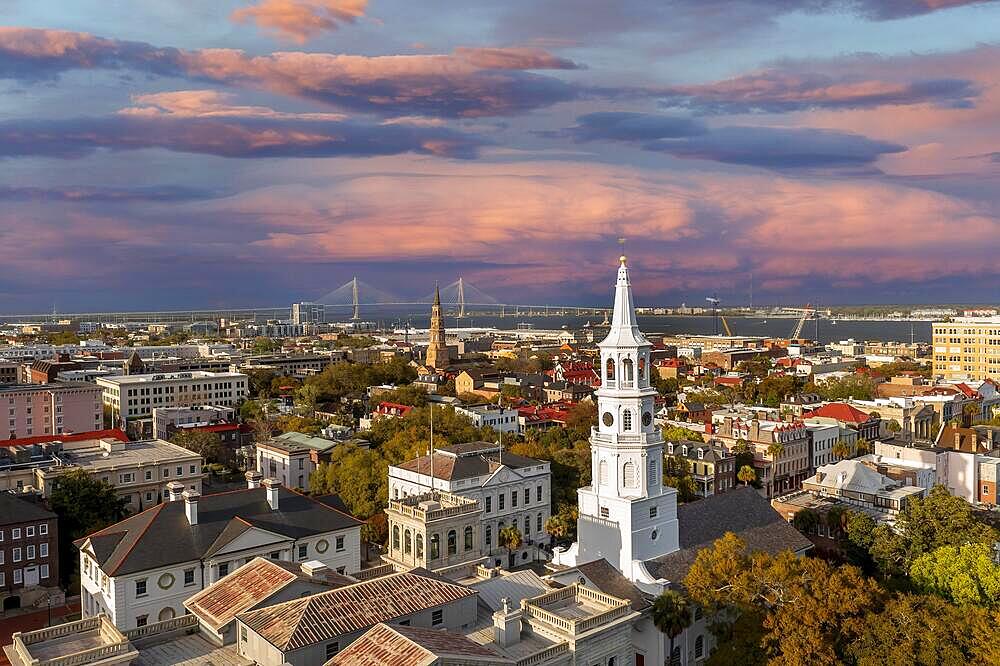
301,20
513,58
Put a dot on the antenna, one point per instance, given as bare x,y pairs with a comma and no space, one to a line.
431,407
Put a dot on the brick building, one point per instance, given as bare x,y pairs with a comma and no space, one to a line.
29,552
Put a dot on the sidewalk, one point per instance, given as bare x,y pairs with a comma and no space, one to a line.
32,621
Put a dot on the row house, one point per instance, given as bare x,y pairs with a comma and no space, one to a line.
712,466
29,553
781,450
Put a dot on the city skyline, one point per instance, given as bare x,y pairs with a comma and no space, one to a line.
171,155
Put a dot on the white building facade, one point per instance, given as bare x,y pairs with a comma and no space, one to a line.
135,396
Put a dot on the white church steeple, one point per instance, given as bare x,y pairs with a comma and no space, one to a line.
627,515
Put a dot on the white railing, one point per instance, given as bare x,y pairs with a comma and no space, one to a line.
173,624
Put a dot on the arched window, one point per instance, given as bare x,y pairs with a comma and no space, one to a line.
699,647
609,373
538,523
629,477
642,368
167,613
675,656
435,546
627,371
603,472
468,537
627,420
420,545
452,542
395,537
407,542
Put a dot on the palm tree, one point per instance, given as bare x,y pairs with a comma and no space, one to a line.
776,449
510,538
671,615
556,527
842,449
746,475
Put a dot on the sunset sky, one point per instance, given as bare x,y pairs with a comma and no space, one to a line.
182,153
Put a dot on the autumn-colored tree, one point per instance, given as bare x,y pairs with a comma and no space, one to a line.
746,475
810,610
926,630
206,444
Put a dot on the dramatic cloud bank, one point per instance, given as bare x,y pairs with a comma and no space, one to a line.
434,85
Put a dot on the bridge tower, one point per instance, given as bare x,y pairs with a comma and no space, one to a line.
354,294
461,298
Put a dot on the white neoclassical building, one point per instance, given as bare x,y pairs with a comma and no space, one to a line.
139,571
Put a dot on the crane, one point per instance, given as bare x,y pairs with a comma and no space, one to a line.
714,300
806,313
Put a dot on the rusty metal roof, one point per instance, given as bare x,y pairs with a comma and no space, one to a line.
301,622
385,645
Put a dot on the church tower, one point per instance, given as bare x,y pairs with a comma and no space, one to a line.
437,350
627,515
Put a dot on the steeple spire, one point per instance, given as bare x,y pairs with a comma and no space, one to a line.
437,295
624,325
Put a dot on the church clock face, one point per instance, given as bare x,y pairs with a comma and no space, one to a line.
608,419
647,418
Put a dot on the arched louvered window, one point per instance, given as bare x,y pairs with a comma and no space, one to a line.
407,543
420,545
603,472
609,370
642,368
629,477
395,537
468,537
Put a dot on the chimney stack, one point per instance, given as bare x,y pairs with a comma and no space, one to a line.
253,479
174,490
506,625
191,505
314,568
272,486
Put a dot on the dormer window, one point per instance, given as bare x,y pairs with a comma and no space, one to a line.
684,450
701,454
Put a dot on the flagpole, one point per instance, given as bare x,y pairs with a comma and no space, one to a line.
431,407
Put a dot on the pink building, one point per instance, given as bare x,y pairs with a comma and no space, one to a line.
50,409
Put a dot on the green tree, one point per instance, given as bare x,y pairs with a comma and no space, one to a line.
966,574
806,521
746,475
581,418
405,395
208,445
510,538
671,615
266,345
893,426
84,505
776,449
858,387
678,434
677,474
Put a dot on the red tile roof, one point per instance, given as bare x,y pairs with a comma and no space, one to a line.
385,645
113,433
840,411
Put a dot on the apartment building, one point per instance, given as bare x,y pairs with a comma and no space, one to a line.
167,420
135,396
512,490
501,419
50,409
140,570
967,347
712,467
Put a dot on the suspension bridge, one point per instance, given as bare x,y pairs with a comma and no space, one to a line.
460,299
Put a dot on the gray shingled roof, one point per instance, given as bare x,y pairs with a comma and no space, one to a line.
741,511
611,581
14,511
161,535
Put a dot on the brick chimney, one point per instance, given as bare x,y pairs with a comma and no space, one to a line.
253,479
272,486
191,505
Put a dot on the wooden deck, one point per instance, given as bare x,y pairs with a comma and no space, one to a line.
190,651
